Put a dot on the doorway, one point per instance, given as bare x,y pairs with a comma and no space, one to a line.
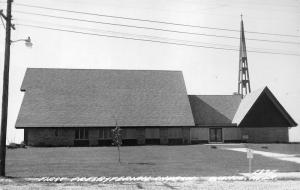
215,135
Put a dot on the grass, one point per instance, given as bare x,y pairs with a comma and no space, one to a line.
192,160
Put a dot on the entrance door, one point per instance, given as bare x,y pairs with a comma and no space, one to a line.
215,135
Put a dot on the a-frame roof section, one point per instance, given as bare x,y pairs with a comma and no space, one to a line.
98,97
249,101
214,110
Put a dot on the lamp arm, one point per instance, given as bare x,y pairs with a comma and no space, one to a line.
13,41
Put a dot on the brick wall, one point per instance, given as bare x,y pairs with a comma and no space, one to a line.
93,136
231,134
141,137
199,135
163,133
266,134
186,135
50,136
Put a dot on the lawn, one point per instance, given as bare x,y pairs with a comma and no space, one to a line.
192,160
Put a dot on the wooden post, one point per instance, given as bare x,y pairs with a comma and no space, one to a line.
250,165
5,89
250,157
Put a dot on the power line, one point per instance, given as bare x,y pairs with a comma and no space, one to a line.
149,40
151,28
115,32
150,21
121,37
130,34
273,4
115,24
2,22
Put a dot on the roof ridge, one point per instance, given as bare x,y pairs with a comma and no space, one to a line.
104,69
214,95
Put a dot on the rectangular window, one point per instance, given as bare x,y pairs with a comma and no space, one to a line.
81,133
101,133
152,133
105,133
56,132
76,133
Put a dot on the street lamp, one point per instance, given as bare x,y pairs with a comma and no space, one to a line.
27,41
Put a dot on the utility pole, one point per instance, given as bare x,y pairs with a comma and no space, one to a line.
5,88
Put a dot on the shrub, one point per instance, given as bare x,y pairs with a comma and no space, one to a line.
16,145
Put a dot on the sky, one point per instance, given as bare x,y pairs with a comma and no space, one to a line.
205,70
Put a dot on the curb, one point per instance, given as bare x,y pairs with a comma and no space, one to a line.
256,176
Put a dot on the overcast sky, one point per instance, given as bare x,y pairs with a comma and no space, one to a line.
205,70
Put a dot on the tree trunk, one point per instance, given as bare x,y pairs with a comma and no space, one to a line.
119,154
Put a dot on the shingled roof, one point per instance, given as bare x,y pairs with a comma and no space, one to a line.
89,98
214,110
231,110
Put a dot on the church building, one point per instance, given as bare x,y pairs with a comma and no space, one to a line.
80,107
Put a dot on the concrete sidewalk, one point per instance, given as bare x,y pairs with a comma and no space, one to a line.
278,156
259,175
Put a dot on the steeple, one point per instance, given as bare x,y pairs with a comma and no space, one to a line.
244,81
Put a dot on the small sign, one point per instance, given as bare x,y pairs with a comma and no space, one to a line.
245,137
249,153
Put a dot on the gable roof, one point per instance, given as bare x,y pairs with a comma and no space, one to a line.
210,110
246,105
249,101
85,97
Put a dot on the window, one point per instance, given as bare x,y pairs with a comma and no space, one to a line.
56,132
105,137
81,133
105,133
